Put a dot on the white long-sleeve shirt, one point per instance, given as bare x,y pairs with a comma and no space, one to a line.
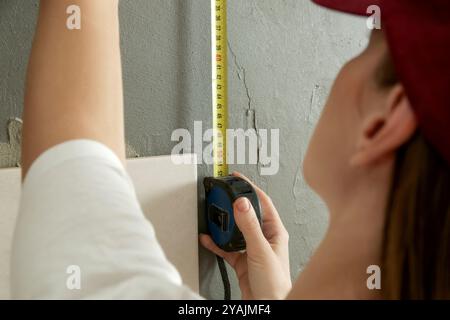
79,216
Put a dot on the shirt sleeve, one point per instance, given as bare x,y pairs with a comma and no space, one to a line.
81,233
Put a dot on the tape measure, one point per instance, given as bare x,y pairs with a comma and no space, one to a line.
219,85
223,190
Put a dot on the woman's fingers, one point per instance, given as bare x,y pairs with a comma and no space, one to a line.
208,243
248,223
273,228
270,212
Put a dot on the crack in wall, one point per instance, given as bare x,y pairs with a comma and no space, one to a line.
312,103
250,112
242,77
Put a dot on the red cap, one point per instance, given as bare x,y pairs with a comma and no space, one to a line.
418,35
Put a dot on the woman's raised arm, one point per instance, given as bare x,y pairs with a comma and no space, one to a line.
74,82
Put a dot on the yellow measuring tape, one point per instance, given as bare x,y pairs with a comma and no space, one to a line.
220,85
220,105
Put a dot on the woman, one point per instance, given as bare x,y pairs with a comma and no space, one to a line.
379,159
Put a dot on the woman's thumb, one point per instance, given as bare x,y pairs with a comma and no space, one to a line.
248,223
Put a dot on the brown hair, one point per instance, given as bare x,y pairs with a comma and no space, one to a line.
416,248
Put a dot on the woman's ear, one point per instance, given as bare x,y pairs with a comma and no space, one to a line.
384,133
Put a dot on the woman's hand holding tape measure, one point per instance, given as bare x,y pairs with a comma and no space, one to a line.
263,269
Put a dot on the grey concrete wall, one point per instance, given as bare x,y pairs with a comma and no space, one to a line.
284,55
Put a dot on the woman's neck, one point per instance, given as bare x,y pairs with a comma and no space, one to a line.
353,243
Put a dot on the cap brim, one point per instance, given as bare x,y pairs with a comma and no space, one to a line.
358,7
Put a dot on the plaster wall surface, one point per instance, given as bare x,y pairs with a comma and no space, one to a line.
283,57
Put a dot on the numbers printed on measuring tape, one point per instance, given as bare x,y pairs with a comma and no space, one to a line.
219,77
